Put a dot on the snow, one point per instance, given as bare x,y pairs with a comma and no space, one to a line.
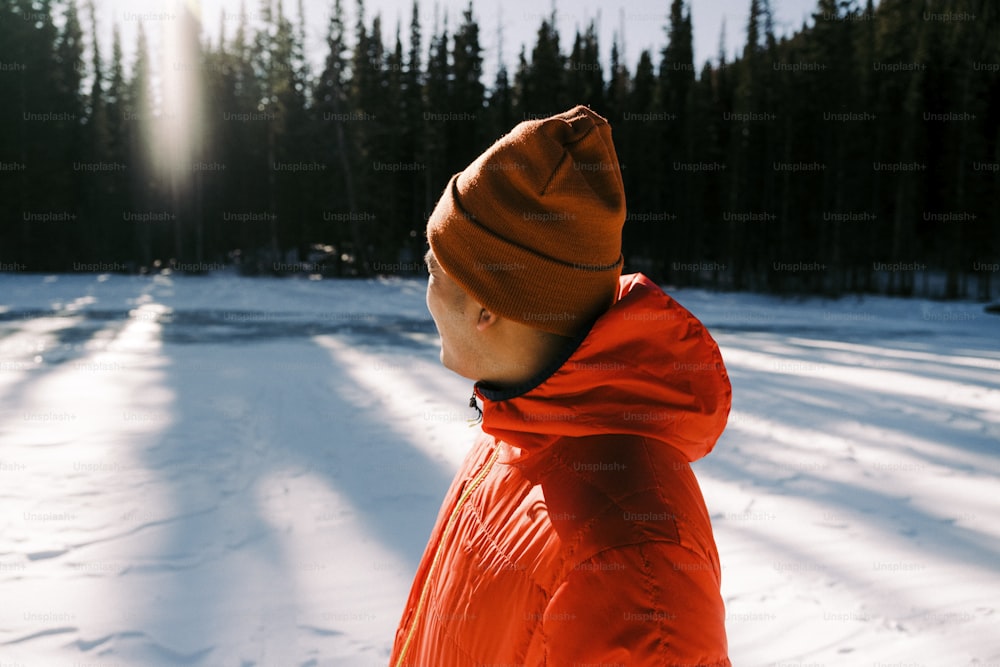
232,471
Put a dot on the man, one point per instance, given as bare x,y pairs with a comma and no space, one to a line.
575,532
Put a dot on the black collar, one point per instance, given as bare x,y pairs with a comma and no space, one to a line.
494,393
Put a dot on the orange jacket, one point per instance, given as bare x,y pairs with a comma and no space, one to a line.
575,532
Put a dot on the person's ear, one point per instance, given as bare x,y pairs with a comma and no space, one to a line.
486,319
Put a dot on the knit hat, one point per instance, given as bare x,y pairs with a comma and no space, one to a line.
532,228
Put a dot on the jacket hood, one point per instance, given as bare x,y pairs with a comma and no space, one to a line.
647,367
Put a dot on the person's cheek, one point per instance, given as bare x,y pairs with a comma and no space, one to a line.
433,300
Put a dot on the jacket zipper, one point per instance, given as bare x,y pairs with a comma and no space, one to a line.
473,485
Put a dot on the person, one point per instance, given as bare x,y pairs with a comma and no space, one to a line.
575,532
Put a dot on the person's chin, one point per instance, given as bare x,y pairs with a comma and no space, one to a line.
448,362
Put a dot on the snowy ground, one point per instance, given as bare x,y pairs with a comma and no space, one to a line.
224,471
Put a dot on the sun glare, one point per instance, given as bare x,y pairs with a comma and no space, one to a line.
178,141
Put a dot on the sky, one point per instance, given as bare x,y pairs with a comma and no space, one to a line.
642,22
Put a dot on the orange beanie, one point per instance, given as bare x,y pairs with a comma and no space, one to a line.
532,228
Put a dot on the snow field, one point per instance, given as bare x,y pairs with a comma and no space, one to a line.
228,471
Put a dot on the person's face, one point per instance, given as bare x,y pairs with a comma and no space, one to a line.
456,316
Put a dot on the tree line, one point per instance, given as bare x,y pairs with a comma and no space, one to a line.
859,154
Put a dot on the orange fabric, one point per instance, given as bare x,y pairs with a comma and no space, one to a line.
532,228
575,531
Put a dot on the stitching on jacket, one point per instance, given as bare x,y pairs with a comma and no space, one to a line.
655,598
578,538
454,641
655,595
546,594
482,525
496,545
661,644
612,502
679,526
658,485
476,481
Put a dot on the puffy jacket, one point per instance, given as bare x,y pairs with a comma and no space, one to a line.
575,532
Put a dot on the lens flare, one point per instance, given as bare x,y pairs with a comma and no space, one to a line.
181,110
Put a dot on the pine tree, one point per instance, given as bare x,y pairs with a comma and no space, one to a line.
97,115
415,203
719,150
978,143
701,207
585,79
438,93
139,117
466,139
519,91
101,187
900,123
242,147
67,107
957,76
832,89
289,82
212,172
68,140
12,82
544,81
671,129
677,63
267,67
751,177
395,231
640,185
334,111
122,234
500,104
867,182
616,94
43,147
